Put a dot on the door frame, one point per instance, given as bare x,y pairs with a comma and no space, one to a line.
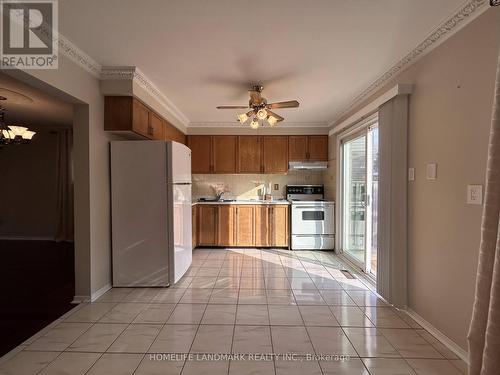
353,132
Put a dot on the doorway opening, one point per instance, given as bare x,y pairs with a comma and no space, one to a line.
359,198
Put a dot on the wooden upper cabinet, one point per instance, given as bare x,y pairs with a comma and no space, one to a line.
249,154
207,225
275,154
129,116
308,147
279,225
245,217
224,153
171,133
156,127
262,228
225,225
140,118
201,153
297,147
317,147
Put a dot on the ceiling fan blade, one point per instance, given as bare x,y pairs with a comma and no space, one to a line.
288,104
278,117
232,107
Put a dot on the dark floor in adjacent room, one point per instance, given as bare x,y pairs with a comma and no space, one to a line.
37,286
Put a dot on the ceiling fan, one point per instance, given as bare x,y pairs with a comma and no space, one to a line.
260,109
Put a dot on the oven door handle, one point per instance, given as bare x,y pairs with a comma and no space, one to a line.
315,207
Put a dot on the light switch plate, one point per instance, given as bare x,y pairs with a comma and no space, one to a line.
431,171
276,186
475,194
411,174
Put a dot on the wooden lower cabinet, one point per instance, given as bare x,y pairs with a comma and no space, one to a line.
207,225
241,225
245,222
279,225
262,226
225,225
194,226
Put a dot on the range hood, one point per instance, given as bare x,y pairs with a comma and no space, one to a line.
307,165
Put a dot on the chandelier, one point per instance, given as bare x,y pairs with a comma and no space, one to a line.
13,134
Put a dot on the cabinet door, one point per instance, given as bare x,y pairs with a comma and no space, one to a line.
171,133
224,154
245,219
297,147
317,147
140,118
225,225
201,153
156,127
275,153
279,225
249,154
194,226
207,225
262,226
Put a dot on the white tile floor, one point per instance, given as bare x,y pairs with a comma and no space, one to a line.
241,302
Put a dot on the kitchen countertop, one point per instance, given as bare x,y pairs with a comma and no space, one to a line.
285,202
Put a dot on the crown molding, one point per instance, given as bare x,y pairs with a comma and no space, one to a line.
470,10
279,125
134,74
80,58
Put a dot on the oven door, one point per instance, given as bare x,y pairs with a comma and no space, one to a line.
313,219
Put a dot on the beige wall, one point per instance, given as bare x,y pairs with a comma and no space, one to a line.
449,120
29,189
251,185
329,176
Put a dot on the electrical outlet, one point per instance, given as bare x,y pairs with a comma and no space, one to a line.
411,174
276,186
432,171
475,194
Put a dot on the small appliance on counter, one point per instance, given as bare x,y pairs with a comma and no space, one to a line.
150,212
312,217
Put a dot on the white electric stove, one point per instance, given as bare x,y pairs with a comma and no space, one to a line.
313,218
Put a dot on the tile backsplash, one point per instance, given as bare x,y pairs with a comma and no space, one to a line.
252,185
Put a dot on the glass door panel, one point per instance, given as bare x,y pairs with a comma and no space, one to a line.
372,199
354,199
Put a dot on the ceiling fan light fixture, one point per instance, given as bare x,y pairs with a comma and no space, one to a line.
242,118
261,114
272,120
255,123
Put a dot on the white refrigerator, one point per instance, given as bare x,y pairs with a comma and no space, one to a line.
150,212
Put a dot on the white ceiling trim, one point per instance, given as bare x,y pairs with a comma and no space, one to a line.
134,74
75,54
370,108
465,14
279,125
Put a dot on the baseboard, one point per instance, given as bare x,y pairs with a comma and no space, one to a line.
100,292
80,299
24,238
445,340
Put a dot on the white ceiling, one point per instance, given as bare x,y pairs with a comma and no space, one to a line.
37,110
205,53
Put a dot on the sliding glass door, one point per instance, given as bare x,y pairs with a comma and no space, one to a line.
360,198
